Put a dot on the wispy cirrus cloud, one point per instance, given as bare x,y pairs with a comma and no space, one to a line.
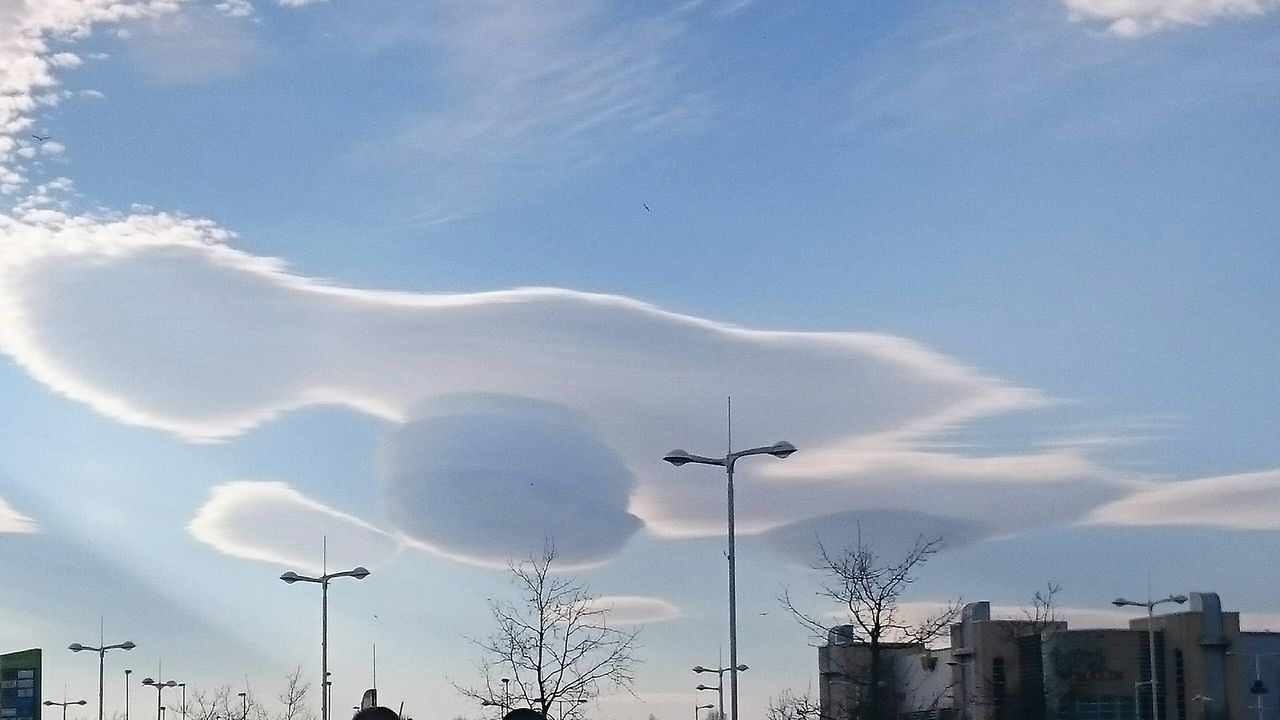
1134,18
539,85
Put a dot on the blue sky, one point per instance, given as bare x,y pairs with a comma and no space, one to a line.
1004,271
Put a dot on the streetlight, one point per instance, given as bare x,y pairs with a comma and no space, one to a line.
290,578
1258,688
184,700
680,457
1151,642
159,686
506,695
244,706
127,673
64,705
720,678
102,654
696,708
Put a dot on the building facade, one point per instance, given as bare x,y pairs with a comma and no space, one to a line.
1205,669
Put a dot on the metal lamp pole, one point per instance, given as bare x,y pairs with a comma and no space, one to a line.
127,673
1151,641
65,704
102,655
159,686
1259,688
720,686
682,457
184,700
290,578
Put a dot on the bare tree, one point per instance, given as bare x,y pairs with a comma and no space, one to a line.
225,703
790,706
293,699
869,591
554,646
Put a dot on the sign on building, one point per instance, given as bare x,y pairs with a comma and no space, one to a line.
20,685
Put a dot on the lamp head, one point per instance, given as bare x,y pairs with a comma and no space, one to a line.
148,681
1179,599
75,647
1119,602
127,645
700,669
706,687
290,577
48,702
128,672
359,573
171,683
678,457
80,702
782,449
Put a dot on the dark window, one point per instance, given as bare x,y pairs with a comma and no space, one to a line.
1180,685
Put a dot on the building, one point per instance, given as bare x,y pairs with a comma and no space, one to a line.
1206,669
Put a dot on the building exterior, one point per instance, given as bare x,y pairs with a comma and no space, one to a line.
1205,669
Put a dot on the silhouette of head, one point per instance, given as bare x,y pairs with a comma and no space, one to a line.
376,713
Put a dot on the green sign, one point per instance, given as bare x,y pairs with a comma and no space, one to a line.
20,685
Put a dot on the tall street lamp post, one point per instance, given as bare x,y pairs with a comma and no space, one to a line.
290,578
1151,641
680,457
127,673
102,655
64,705
719,687
159,686
184,700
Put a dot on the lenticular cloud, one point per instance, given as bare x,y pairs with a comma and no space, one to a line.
522,416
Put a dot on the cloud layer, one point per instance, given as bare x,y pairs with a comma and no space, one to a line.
272,522
155,320
1133,18
1248,501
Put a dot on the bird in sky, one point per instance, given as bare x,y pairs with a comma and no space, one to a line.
41,138
646,206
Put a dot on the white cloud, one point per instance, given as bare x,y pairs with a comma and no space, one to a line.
12,521
637,609
483,478
154,320
27,62
1133,18
1248,501
235,8
272,522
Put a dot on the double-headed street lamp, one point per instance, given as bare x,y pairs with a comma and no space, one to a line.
159,686
64,704
683,457
1151,641
290,578
102,654
719,686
